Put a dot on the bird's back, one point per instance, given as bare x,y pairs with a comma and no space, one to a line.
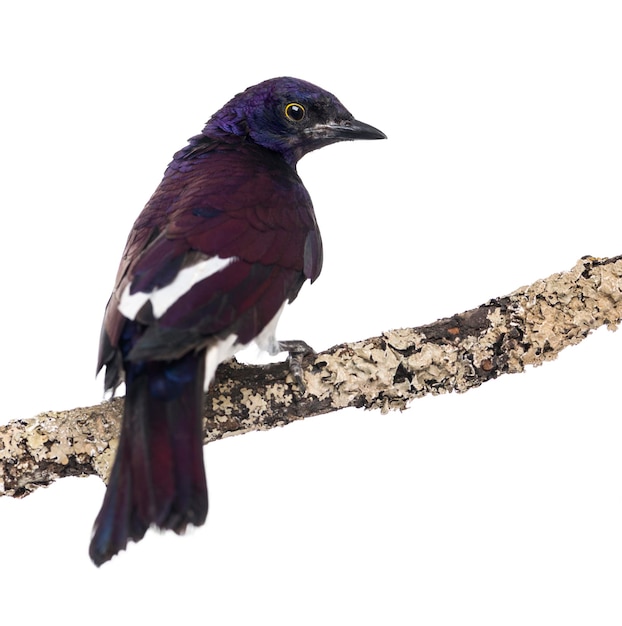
234,201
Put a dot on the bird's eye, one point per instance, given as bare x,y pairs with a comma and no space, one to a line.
294,112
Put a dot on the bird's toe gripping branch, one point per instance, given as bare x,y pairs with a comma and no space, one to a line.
298,350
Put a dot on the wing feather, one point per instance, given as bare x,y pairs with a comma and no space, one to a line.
246,205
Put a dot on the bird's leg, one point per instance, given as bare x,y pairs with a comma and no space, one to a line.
297,351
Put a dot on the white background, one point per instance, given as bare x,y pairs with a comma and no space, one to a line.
503,165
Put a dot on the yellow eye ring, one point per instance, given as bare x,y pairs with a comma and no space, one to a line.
295,112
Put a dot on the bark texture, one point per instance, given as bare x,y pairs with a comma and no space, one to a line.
504,335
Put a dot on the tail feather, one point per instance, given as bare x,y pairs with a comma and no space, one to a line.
158,476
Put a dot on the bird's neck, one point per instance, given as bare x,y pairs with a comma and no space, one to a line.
215,141
235,130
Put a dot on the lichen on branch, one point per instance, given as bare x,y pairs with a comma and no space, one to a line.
502,336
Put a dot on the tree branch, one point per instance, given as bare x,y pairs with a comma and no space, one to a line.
502,336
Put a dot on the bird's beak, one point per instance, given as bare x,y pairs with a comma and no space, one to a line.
345,130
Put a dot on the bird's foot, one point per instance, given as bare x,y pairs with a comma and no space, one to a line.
298,350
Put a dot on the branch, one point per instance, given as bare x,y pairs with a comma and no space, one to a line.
502,336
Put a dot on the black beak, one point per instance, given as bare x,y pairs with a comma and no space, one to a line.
345,130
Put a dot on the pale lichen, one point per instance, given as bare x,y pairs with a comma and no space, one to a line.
504,335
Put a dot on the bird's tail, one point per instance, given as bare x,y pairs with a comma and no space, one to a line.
158,476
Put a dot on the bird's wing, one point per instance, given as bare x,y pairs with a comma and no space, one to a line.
227,238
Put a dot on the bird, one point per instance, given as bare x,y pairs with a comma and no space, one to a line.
226,240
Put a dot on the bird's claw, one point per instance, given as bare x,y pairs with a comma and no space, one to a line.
297,351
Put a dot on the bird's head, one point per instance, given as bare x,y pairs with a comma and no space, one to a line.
289,116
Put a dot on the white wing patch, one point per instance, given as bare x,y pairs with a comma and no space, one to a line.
162,299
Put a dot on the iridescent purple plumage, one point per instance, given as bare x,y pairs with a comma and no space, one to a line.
227,238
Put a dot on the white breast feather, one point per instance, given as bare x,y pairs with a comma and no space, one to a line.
226,348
